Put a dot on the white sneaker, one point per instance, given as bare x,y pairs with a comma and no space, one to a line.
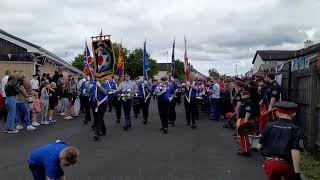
62,114
11,131
35,124
52,121
45,122
68,117
30,128
19,127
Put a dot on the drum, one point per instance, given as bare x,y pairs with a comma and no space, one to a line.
136,101
112,99
199,102
244,128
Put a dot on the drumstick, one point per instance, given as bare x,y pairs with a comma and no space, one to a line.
266,112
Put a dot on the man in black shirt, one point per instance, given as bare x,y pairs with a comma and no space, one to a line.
272,94
281,143
246,116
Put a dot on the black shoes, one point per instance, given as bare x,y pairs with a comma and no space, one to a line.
118,121
127,127
164,130
243,153
145,122
95,137
194,126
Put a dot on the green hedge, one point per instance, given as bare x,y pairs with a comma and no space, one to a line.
310,166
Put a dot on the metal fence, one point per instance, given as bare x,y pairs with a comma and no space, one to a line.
301,84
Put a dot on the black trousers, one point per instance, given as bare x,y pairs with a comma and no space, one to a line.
145,108
172,111
87,107
163,108
81,103
118,105
127,105
136,106
191,111
99,124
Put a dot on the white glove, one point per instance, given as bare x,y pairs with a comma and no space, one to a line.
145,82
98,84
172,79
170,99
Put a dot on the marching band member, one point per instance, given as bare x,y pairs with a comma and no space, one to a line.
190,102
164,92
136,100
263,119
99,103
281,144
271,96
116,100
145,92
85,94
112,85
126,89
245,115
172,106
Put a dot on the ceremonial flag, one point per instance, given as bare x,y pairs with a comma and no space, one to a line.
87,61
120,65
146,65
186,64
173,60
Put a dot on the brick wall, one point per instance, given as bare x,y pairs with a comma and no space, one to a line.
26,67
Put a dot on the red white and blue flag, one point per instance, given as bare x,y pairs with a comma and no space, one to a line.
87,61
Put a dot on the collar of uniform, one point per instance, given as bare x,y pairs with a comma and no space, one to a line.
284,119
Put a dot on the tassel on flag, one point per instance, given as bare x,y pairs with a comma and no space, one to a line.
186,64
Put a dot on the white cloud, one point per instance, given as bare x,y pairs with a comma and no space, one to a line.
220,34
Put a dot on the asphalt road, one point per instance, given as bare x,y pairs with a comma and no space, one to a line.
143,153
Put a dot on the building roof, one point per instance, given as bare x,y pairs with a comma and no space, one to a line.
283,55
45,52
273,55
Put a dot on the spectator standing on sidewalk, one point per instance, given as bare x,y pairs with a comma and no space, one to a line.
22,105
214,101
3,84
11,91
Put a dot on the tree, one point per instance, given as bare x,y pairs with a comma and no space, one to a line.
213,73
78,62
134,64
179,70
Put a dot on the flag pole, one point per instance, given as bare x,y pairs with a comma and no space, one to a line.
144,46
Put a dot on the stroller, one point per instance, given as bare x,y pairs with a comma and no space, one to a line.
230,120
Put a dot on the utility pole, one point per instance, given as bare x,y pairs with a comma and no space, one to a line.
236,69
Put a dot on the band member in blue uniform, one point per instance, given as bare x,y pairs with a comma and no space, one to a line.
45,162
112,85
99,104
191,108
172,107
164,92
126,90
145,92
85,93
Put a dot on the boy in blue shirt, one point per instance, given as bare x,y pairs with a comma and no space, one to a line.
45,162
164,92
